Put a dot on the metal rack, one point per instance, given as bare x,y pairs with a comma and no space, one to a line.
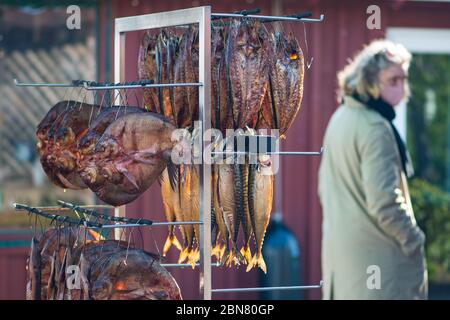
203,17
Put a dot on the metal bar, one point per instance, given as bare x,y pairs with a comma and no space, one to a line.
158,20
57,217
119,74
280,153
243,12
269,288
204,16
140,86
132,225
105,216
184,265
274,18
56,208
64,85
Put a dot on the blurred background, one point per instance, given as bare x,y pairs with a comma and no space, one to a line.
37,46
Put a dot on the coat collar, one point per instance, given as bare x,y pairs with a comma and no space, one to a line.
352,102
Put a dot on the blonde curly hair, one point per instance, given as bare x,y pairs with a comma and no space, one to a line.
360,75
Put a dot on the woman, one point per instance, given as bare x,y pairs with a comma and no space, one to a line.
372,247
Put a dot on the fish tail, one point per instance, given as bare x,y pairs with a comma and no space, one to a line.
171,240
261,263
222,252
215,252
230,259
193,257
245,251
183,255
251,264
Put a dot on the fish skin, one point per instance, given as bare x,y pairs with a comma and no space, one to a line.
171,50
220,113
247,62
239,198
61,277
181,108
102,262
51,279
147,71
227,203
72,237
186,212
186,70
57,136
131,154
84,277
195,199
246,220
131,274
87,143
34,270
287,76
267,117
165,55
171,205
220,220
261,206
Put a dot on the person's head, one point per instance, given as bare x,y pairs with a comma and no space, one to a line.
378,71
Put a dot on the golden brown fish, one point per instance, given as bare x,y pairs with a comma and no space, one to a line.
227,203
286,79
221,243
186,210
186,70
220,113
171,204
247,61
260,205
147,71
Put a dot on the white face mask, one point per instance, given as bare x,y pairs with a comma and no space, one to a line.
393,84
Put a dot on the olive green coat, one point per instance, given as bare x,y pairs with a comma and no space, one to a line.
372,247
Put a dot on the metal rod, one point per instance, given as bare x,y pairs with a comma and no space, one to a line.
275,18
65,85
243,12
184,265
280,153
269,288
138,86
57,217
98,86
132,225
104,215
56,208
204,95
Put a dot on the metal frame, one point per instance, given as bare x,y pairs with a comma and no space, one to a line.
202,16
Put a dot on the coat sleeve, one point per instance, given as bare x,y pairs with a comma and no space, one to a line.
385,200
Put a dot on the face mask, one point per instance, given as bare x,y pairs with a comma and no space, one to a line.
392,84
393,94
